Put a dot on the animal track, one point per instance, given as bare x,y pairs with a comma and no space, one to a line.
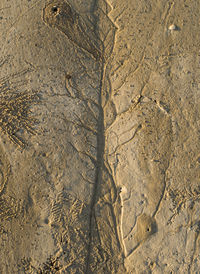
52,265
15,108
4,170
9,208
69,228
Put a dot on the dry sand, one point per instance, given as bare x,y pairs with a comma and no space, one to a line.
99,144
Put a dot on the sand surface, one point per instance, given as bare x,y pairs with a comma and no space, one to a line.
99,136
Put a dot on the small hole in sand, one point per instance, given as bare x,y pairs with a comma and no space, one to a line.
55,9
46,221
68,76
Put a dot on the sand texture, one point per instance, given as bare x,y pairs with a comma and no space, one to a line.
99,136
